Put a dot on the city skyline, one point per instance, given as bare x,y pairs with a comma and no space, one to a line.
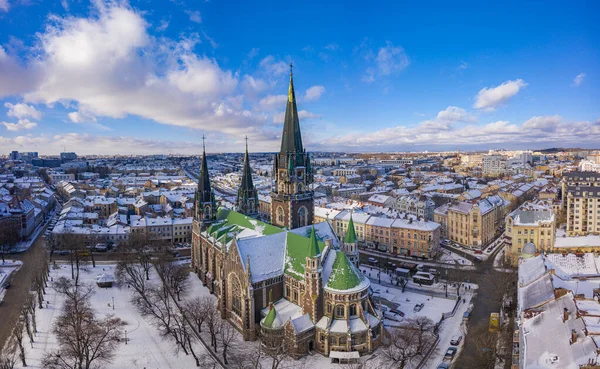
123,78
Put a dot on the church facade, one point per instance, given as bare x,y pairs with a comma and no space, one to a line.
290,282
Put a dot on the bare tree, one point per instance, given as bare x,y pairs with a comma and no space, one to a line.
74,244
483,344
84,340
197,310
213,323
174,276
7,360
408,344
137,250
18,337
9,236
31,307
227,335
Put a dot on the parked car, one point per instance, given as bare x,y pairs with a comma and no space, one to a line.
478,252
418,307
397,312
455,341
373,261
478,259
450,353
443,366
467,315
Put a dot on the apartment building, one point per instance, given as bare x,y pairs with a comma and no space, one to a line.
472,224
420,206
529,226
581,202
407,236
493,165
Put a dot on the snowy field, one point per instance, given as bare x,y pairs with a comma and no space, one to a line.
145,349
449,257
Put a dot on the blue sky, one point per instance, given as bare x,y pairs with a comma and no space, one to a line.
153,76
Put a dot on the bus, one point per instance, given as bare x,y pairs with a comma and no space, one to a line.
494,322
423,278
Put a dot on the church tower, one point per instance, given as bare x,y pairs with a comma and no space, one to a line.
247,197
292,200
350,245
205,205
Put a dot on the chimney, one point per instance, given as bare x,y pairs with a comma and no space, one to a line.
573,336
565,315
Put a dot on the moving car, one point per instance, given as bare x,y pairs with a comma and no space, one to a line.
372,260
455,341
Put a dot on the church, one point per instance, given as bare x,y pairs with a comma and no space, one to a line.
291,281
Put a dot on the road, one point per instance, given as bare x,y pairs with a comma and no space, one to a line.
483,274
10,309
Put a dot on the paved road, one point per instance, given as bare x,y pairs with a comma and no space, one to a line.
483,274
10,309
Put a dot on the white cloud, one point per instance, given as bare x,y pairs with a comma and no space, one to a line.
271,102
194,16
4,5
107,65
543,123
579,79
391,59
273,67
314,93
22,124
302,114
369,76
21,111
332,46
463,65
253,52
253,86
164,24
65,4
456,114
490,98
81,117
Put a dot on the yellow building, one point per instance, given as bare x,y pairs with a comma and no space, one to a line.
529,226
473,224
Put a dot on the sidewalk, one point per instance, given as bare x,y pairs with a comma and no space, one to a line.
25,245
411,260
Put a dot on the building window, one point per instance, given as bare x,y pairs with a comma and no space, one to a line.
342,340
236,297
339,311
352,309
302,217
280,214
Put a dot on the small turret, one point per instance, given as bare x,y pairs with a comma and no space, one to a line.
351,243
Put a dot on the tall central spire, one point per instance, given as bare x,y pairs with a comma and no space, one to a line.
291,140
204,180
247,197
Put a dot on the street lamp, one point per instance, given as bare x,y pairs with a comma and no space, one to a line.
113,302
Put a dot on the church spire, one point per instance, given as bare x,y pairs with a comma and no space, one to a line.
291,140
247,197
205,199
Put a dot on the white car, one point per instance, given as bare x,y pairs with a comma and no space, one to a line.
455,341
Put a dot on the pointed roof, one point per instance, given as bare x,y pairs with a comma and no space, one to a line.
272,320
344,275
313,246
350,236
247,183
291,140
204,193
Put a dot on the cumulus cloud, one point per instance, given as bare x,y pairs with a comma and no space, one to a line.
81,117
21,125
4,6
489,98
391,59
314,93
302,114
579,79
271,102
253,86
455,114
107,65
550,129
21,111
543,123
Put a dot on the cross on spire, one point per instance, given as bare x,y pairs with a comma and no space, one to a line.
203,147
291,67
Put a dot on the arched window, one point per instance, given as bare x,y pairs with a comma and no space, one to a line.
302,217
280,215
339,311
352,309
236,297
329,308
342,340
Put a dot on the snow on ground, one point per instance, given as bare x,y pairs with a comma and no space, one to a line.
391,257
472,252
145,349
449,257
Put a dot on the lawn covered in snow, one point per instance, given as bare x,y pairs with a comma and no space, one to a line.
145,349
449,257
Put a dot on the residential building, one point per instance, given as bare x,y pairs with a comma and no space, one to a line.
529,226
493,165
581,202
420,206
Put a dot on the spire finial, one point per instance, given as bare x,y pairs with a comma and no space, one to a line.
291,67
246,143
203,147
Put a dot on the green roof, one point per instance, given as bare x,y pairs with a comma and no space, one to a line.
313,246
297,249
350,236
343,275
270,318
241,220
